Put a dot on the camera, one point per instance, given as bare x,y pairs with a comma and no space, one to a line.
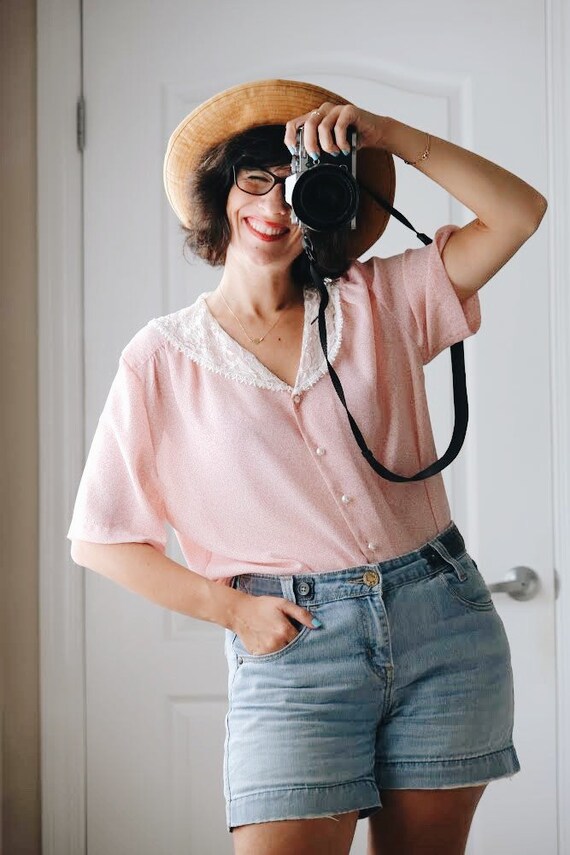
323,193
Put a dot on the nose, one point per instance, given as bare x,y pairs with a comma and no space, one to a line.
274,201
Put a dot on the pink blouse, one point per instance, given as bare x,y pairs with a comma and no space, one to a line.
257,476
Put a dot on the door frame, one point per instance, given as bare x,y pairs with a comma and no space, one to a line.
61,409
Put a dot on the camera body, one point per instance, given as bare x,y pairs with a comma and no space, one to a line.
323,193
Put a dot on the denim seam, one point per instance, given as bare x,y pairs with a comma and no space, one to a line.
230,698
380,761
392,587
309,603
486,606
289,788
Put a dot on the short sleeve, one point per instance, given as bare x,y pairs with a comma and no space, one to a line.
119,498
417,290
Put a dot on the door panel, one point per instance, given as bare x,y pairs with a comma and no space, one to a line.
157,680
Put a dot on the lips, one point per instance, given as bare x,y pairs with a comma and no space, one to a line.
266,230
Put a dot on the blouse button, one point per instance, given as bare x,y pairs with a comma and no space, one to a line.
345,499
320,451
296,398
372,546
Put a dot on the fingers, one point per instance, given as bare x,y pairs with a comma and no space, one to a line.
292,610
303,616
324,129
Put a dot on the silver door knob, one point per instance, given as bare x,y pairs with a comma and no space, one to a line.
521,583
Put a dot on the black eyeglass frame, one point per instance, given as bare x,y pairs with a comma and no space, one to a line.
277,179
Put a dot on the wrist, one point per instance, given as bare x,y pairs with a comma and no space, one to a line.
384,131
392,134
403,141
226,603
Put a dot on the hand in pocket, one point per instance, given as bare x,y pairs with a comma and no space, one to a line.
267,624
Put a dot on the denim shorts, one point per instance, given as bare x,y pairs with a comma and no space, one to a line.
407,684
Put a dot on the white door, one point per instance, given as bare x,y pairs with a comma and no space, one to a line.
473,73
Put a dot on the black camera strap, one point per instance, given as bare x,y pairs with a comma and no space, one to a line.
457,364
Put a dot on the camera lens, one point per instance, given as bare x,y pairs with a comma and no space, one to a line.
325,198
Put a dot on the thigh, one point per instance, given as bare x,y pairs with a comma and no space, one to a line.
423,822
331,835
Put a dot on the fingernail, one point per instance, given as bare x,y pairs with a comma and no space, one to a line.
316,622
292,149
346,151
335,153
314,155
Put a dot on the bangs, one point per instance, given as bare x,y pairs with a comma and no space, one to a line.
262,146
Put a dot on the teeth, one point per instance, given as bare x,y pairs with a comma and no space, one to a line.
265,230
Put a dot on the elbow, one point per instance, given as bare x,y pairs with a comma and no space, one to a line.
539,211
526,227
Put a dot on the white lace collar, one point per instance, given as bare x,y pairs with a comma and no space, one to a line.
194,331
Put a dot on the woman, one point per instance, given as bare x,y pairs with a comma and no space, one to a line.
221,422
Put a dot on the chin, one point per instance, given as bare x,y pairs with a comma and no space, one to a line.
269,255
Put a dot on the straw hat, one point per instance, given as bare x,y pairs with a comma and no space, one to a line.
273,102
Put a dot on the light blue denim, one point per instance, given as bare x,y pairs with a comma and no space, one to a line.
407,684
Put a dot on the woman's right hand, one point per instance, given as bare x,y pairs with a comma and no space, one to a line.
264,624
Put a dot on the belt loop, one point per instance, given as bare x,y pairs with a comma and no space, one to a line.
440,548
287,588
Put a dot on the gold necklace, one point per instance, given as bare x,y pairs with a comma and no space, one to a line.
253,340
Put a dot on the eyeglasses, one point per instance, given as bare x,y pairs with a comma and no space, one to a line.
258,182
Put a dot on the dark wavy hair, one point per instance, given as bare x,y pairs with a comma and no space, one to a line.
209,233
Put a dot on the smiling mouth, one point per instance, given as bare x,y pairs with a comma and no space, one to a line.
264,231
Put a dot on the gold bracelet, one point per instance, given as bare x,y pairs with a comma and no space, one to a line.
423,156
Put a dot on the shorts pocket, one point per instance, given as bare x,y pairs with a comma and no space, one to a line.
240,650
472,591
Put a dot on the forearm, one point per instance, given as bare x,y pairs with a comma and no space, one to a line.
498,198
141,568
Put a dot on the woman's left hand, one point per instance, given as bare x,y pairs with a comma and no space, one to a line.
326,129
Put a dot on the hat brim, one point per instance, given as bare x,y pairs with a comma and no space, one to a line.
273,102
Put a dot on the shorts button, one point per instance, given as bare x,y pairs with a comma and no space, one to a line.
303,588
240,660
370,577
